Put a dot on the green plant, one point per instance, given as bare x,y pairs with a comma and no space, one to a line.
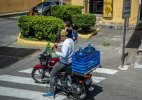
40,27
65,12
94,33
106,44
84,21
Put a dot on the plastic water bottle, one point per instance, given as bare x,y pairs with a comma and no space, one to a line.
80,52
89,49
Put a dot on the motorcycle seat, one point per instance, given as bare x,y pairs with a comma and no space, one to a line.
67,69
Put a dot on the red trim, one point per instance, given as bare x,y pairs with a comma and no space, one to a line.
39,66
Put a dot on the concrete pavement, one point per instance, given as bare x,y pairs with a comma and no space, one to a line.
122,85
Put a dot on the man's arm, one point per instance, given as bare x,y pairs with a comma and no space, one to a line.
64,51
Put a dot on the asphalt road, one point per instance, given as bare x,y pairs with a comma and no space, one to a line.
109,82
8,30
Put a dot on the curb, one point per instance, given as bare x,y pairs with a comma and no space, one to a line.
118,27
84,36
13,14
35,43
42,43
88,36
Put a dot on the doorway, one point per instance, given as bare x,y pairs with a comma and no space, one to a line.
96,6
141,11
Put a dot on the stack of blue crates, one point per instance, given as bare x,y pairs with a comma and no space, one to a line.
82,65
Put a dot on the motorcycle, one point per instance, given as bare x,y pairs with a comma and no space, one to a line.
73,84
42,71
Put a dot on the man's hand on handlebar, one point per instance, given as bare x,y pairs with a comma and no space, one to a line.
56,44
55,47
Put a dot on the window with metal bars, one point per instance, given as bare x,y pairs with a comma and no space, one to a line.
96,6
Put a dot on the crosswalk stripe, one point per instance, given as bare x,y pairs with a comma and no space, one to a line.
30,81
29,70
105,71
98,70
19,79
26,94
136,65
97,79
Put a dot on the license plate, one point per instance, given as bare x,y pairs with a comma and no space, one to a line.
88,81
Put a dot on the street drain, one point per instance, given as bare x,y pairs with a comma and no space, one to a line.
10,55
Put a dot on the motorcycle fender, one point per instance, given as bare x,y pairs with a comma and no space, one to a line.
39,66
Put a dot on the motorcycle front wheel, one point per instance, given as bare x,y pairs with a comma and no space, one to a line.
40,75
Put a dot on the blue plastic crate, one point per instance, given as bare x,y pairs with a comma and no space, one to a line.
87,58
94,57
79,71
85,65
83,71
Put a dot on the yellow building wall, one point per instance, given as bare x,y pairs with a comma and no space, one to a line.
78,2
117,11
9,6
68,2
118,8
134,12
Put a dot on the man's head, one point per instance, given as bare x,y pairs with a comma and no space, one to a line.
63,35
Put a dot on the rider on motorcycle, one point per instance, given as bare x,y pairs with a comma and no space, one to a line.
65,55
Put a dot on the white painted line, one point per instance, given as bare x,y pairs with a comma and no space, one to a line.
105,71
19,79
98,70
29,71
26,94
97,79
136,65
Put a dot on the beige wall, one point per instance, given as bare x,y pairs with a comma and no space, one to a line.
9,6
68,2
80,3
77,2
135,11
117,12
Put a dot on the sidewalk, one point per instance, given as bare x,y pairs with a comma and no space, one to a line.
111,55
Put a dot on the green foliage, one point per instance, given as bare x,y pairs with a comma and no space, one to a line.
65,12
106,44
94,33
84,21
48,48
40,27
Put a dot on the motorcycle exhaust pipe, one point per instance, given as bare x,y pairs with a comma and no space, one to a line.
82,96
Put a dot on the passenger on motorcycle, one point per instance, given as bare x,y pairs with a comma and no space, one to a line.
65,55
71,33
68,29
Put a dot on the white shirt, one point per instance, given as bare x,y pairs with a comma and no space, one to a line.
67,51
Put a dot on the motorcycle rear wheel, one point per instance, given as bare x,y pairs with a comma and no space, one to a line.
38,75
82,95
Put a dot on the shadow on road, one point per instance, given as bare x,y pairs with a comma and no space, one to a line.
97,90
10,55
135,39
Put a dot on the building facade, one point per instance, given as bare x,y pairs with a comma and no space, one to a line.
10,6
111,10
